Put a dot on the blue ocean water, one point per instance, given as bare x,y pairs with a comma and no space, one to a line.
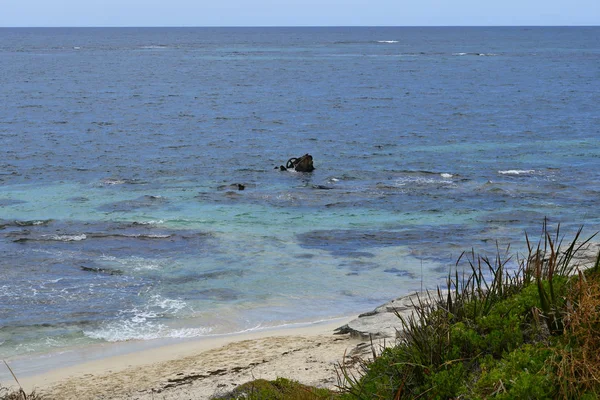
122,151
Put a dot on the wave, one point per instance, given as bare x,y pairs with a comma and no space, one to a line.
154,47
83,236
145,323
120,181
517,172
131,235
151,222
363,41
423,181
53,238
68,238
475,54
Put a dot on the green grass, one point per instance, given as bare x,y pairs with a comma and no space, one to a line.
278,389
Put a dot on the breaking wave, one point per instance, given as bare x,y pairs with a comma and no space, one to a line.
517,172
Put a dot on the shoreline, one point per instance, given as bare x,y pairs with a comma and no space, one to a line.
304,352
36,364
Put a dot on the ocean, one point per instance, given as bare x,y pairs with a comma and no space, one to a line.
123,151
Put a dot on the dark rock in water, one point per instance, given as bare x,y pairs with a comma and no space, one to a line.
400,272
147,201
108,271
236,186
79,199
300,164
353,254
306,256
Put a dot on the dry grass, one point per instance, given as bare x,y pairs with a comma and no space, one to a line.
578,359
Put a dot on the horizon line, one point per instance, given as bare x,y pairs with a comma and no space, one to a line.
289,26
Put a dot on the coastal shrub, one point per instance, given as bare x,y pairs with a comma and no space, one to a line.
279,389
520,374
532,332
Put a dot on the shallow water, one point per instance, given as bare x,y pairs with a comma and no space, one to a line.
122,151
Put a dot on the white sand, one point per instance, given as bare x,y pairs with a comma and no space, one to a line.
202,368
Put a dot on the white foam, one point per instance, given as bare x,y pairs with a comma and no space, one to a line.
111,181
67,238
135,263
139,328
147,236
143,323
387,41
170,305
517,172
151,222
475,54
424,181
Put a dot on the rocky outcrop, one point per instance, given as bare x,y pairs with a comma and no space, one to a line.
383,322
300,164
586,256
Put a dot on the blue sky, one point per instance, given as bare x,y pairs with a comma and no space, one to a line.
297,12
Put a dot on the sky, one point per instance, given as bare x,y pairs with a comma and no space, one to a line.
80,13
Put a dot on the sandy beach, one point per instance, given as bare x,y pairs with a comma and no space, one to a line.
203,368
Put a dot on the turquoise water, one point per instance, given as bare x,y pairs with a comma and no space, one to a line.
120,214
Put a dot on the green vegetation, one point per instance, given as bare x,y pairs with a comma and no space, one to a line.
279,389
530,332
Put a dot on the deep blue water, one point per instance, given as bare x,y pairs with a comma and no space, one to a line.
120,217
